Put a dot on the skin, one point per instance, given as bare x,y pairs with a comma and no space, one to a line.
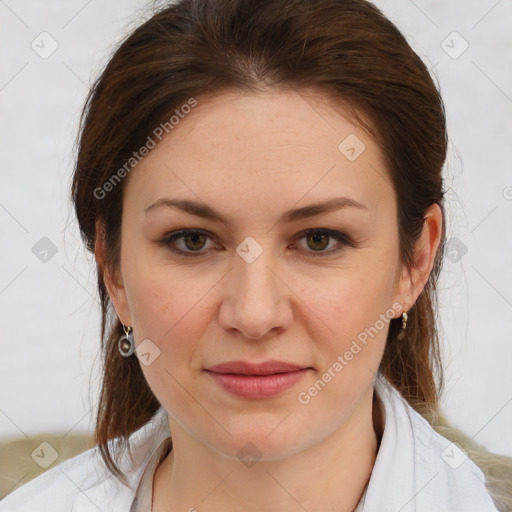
252,157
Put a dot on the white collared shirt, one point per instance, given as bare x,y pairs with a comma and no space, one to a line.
416,470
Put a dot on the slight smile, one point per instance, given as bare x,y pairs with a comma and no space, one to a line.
257,381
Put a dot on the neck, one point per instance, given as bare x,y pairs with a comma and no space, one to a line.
330,475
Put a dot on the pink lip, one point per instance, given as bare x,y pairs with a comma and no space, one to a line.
256,380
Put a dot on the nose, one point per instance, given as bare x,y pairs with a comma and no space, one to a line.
256,300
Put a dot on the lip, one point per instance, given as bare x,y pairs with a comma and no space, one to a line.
246,368
257,381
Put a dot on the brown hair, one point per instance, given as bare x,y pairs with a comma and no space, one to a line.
345,48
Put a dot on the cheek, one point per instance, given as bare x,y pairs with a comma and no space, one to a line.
350,298
168,307
350,350
354,307
163,298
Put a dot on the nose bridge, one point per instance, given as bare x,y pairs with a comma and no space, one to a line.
255,302
253,269
255,281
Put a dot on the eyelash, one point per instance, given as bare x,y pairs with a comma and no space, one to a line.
343,239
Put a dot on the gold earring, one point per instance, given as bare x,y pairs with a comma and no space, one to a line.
404,320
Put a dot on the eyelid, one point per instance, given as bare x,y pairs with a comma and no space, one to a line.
175,235
341,237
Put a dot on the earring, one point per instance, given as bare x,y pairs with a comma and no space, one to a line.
401,334
404,320
126,343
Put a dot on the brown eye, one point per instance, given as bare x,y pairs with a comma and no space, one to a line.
192,242
318,240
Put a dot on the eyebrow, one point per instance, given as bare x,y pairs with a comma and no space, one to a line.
203,210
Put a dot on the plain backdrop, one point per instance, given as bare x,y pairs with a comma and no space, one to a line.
48,302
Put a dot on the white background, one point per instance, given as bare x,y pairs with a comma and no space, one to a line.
50,311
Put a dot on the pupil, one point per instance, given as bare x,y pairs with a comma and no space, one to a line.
193,237
316,237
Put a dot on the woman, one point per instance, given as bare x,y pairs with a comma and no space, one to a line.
260,183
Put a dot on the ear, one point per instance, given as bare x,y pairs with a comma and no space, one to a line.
111,278
412,280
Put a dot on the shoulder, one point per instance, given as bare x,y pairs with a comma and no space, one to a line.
414,457
83,483
57,488
428,447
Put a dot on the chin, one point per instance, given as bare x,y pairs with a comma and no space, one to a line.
262,441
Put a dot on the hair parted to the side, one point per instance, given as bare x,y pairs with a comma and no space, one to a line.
346,49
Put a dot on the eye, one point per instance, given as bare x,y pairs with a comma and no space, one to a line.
192,240
319,239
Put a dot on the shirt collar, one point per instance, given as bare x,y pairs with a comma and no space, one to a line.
417,469
414,470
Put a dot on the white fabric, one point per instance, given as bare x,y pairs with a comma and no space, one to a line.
144,495
410,473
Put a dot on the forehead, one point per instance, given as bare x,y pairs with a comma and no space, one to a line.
280,146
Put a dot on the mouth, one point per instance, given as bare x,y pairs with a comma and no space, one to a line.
257,381
266,368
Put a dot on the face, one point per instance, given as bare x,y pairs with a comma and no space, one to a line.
274,279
